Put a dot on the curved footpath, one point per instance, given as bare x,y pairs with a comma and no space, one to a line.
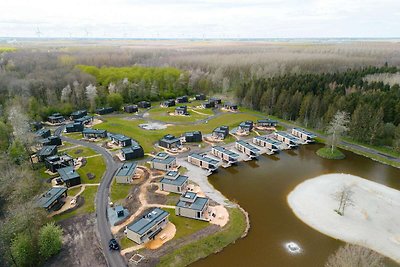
113,258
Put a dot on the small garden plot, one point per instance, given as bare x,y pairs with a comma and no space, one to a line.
80,151
88,196
92,171
119,192
73,191
76,136
185,226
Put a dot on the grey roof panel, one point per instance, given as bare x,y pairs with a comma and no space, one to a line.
150,219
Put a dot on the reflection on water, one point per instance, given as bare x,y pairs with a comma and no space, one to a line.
261,188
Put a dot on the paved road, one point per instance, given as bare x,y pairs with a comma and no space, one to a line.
113,258
345,143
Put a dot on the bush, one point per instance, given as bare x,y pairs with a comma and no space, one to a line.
327,153
50,241
23,250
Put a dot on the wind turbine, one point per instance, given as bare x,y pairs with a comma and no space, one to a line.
38,33
86,32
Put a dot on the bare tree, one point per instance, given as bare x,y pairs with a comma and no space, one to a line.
112,88
20,123
354,256
345,198
337,127
66,93
91,94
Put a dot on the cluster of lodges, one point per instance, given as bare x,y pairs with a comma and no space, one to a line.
152,221
135,108
173,143
80,118
189,205
130,149
252,149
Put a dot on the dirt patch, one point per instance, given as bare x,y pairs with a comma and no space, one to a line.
131,202
152,257
153,126
90,176
80,244
154,198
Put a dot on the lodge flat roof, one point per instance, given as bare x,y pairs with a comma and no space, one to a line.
67,173
93,131
146,222
248,146
288,136
50,196
46,150
127,169
180,180
268,140
226,151
120,137
204,158
166,160
197,204
311,135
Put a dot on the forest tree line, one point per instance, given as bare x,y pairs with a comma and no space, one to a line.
54,81
313,99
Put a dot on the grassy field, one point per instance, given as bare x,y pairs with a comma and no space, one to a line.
119,191
80,151
148,138
41,172
162,114
126,243
73,191
76,136
185,226
96,166
88,207
208,245
7,49
327,153
172,199
65,145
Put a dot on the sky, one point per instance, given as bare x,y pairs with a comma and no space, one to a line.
200,19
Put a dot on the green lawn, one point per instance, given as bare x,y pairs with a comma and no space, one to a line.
76,136
182,170
88,207
148,138
208,245
119,191
80,151
74,191
96,166
125,242
172,199
41,172
7,49
65,145
162,114
185,226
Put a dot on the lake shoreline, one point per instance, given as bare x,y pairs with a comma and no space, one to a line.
367,222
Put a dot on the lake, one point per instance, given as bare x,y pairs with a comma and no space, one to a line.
261,187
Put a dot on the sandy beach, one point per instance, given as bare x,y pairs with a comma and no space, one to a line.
373,221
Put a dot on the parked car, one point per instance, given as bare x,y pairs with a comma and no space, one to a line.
113,244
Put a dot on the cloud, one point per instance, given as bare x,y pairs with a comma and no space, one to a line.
197,18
